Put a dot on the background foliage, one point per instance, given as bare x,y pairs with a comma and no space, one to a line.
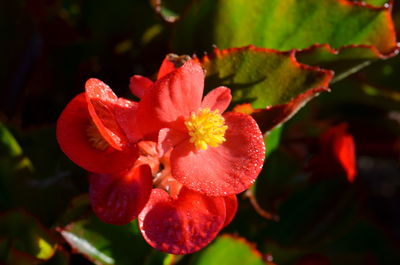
51,47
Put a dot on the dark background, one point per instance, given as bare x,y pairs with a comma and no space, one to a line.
49,48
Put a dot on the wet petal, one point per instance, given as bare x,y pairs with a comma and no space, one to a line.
345,152
231,206
125,113
119,198
183,225
73,139
338,152
168,138
171,63
101,102
172,97
218,98
224,170
139,85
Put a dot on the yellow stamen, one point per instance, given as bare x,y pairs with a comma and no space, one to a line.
206,128
96,140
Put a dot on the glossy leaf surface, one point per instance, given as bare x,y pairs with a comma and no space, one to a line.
284,25
104,243
227,249
26,236
265,78
337,34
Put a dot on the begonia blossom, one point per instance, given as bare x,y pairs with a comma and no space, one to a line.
213,152
174,160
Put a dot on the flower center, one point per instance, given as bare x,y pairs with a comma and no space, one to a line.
96,140
206,128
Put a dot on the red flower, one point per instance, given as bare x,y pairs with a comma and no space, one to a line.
118,198
184,224
337,153
175,219
207,156
213,153
95,130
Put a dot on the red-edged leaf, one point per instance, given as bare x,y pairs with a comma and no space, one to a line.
28,238
284,26
104,243
229,249
274,115
273,82
182,225
351,33
119,198
344,60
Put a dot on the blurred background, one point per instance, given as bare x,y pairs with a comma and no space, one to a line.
49,48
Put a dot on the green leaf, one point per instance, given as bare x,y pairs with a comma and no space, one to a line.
265,78
27,235
283,25
12,164
8,145
227,249
272,139
169,10
344,61
33,170
104,243
337,34
38,173
379,82
374,2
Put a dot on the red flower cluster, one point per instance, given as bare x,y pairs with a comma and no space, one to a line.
174,160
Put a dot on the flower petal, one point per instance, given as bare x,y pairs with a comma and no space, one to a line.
119,198
168,138
224,170
148,155
139,85
101,103
337,154
125,113
218,98
345,152
171,63
72,136
174,96
231,206
183,225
